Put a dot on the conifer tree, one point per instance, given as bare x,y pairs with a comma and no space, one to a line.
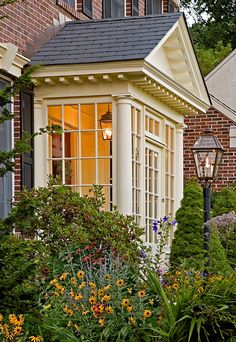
188,241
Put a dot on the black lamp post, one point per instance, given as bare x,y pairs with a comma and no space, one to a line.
207,152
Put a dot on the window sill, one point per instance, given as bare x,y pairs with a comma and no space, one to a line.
68,8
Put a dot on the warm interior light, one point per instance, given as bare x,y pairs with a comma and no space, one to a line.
106,125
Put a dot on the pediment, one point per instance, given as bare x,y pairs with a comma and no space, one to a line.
175,57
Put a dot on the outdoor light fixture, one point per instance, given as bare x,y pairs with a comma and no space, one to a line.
207,152
106,125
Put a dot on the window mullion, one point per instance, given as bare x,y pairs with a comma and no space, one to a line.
63,146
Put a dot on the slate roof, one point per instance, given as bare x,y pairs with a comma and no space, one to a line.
93,41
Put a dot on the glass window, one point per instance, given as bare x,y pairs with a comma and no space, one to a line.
169,170
80,155
113,8
136,163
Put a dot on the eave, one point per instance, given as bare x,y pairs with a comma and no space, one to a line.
139,72
11,61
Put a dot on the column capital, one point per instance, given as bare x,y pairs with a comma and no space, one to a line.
180,127
123,98
38,101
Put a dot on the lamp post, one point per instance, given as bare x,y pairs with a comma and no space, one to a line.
207,152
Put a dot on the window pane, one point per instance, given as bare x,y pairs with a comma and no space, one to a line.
54,115
104,171
55,167
55,146
88,144
87,116
71,144
104,146
88,171
71,117
71,172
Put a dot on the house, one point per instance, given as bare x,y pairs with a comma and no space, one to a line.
221,117
27,26
120,89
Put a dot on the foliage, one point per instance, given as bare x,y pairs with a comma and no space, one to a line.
193,307
209,58
188,239
224,201
61,217
100,300
225,227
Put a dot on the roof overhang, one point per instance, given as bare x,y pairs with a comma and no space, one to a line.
139,72
11,61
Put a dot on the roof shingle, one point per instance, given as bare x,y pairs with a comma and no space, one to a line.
93,41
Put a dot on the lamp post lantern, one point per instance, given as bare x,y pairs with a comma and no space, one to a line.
207,152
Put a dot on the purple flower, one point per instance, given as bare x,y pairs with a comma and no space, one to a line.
155,225
143,254
165,219
174,222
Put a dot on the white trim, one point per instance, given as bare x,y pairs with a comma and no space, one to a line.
11,61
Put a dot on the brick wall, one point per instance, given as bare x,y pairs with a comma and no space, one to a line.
31,23
220,125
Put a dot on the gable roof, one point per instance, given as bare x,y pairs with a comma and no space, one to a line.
93,41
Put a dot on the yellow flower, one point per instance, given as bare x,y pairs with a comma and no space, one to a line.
101,322
109,309
219,278
92,284
107,287
35,338
63,276
17,330
101,308
72,294
130,290
53,281
200,289
80,274
69,324
68,311
92,300
76,327
100,293
85,312
147,313
94,292
19,320
82,285
1,317
175,286
106,298
151,301
178,273
78,296
129,308
107,276
124,302
120,282
73,281
132,320
141,294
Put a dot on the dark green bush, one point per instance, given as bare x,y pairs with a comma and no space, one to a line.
224,201
188,240
187,246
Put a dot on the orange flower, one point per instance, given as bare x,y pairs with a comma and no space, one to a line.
129,308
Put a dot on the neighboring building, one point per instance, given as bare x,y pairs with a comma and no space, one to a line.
137,74
221,117
26,27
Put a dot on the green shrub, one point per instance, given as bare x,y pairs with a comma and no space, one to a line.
194,307
188,239
224,201
61,217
